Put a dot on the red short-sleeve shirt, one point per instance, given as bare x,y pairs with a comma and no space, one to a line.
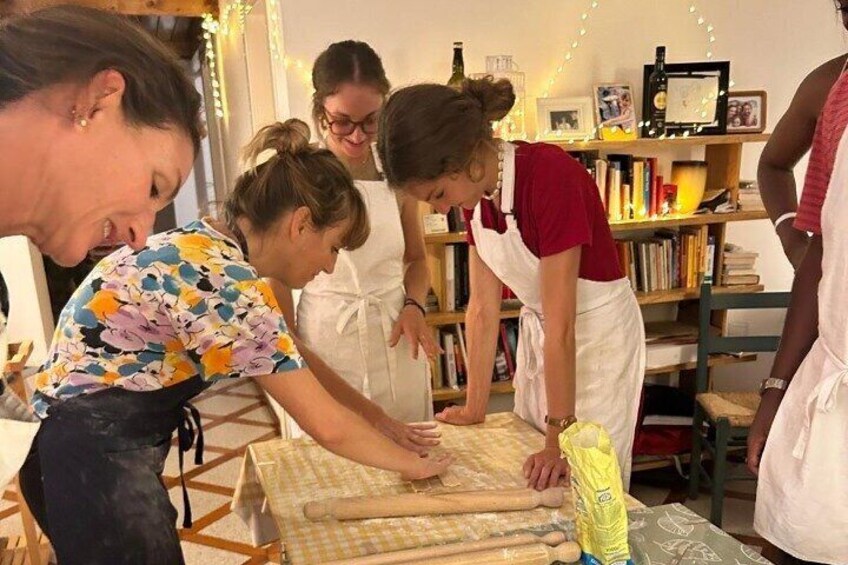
557,206
829,129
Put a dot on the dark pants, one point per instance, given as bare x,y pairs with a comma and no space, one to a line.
93,477
780,557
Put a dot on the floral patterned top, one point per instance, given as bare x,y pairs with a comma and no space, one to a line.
188,304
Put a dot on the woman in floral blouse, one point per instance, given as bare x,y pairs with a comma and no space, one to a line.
150,329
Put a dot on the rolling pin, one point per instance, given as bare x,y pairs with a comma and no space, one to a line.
533,554
427,553
424,504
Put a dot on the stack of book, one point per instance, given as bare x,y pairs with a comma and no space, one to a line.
749,196
452,370
739,266
631,188
667,260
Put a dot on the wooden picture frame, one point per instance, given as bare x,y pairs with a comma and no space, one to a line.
689,84
747,111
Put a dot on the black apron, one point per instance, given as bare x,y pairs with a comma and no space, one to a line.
94,476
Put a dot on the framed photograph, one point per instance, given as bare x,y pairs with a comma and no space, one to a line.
746,111
693,100
615,111
564,118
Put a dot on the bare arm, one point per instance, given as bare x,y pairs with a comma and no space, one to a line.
559,275
791,139
418,438
482,324
340,430
799,333
416,281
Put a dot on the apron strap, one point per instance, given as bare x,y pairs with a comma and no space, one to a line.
186,437
822,399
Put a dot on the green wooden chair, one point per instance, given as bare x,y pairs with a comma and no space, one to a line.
722,419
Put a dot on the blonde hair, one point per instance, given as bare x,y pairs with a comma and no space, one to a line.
298,174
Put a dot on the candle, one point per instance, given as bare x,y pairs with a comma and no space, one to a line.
691,180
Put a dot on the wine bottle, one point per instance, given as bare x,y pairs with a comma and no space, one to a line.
657,91
458,67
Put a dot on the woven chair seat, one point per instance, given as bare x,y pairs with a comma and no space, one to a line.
737,407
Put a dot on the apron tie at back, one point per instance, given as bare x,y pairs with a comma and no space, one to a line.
186,438
823,398
531,337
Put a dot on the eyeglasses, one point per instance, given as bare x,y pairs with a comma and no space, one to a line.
345,126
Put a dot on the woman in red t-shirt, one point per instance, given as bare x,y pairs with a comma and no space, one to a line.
536,224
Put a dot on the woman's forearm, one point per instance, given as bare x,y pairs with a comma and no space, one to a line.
416,280
801,328
338,388
482,326
560,355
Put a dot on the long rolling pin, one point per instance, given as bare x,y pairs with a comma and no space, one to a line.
422,504
426,553
534,554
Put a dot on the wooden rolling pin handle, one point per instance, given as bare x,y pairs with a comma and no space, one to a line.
397,505
425,554
533,554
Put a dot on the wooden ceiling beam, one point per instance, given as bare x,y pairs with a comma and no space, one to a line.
183,8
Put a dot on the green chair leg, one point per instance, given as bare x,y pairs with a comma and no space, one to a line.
719,470
697,449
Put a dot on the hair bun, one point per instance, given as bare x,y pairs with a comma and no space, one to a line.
495,97
289,138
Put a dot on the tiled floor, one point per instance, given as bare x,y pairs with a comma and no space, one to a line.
235,414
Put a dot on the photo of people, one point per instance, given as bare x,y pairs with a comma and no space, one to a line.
746,112
615,113
567,120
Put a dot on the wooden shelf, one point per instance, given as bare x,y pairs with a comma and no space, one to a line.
715,361
634,225
681,294
450,318
654,144
444,394
696,220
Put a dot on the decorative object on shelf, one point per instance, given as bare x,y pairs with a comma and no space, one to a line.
435,223
746,111
615,111
696,99
565,118
691,180
457,66
657,90
512,126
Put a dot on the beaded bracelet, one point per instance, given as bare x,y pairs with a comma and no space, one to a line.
413,302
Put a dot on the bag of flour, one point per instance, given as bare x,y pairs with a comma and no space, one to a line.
599,495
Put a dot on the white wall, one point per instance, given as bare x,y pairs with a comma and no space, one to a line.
772,45
30,317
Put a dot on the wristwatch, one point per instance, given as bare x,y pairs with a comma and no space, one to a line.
561,423
772,382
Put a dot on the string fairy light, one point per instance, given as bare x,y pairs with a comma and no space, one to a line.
212,28
575,43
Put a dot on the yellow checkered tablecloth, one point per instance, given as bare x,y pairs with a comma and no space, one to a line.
280,476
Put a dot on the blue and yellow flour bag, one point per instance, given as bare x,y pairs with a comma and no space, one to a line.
599,495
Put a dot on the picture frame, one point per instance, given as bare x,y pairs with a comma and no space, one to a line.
565,118
689,84
747,111
615,111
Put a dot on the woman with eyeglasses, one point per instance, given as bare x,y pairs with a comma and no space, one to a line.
366,319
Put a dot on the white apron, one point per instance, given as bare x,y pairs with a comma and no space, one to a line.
346,318
802,495
610,334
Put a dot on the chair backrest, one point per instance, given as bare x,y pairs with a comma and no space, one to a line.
709,344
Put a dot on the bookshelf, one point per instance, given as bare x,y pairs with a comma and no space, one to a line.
723,155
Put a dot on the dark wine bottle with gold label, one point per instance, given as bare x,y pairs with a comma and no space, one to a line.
657,91
458,67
